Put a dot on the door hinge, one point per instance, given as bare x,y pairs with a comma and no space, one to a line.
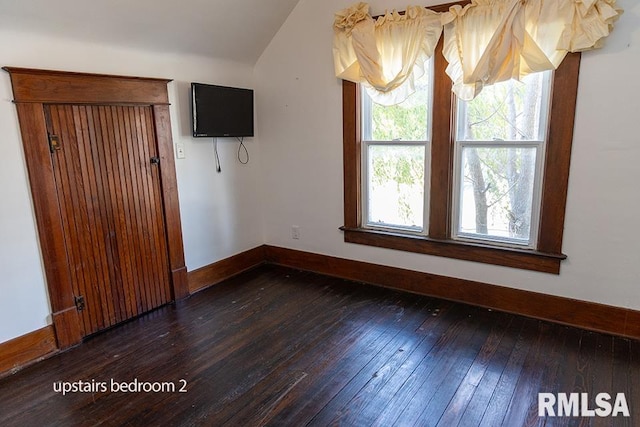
79,300
54,143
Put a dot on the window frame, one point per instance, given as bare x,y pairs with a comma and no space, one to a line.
456,212
547,255
366,109
365,188
539,144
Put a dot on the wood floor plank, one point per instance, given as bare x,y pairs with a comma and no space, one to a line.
393,354
541,358
279,347
483,390
338,370
439,358
377,385
444,382
322,360
633,372
261,403
565,373
602,374
437,324
299,365
501,397
467,385
242,352
261,355
621,380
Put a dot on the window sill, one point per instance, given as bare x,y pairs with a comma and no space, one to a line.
504,256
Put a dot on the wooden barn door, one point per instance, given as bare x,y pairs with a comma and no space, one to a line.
102,175
107,178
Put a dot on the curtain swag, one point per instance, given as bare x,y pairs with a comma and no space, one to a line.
387,54
485,42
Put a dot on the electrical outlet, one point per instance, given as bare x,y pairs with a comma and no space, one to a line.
295,232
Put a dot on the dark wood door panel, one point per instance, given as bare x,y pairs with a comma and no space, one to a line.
146,119
111,208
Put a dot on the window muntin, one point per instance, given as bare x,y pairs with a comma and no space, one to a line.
395,159
498,168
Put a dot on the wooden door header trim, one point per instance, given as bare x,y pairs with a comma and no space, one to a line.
62,87
23,70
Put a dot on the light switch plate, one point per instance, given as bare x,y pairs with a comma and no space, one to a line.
180,150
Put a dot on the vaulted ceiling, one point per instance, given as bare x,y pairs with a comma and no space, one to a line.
237,30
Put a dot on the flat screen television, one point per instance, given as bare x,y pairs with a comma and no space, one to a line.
220,111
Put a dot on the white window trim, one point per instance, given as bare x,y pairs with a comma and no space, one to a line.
366,132
536,202
422,231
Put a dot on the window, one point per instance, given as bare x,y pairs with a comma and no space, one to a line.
484,180
499,144
396,160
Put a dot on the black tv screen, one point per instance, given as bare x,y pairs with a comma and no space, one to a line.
220,111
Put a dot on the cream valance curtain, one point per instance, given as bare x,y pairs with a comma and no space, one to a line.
387,54
485,42
490,41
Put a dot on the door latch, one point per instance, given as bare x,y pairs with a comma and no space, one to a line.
54,143
80,304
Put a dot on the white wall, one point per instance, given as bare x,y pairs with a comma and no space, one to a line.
220,212
300,127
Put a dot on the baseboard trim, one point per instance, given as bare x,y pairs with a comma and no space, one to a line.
26,349
217,272
567,311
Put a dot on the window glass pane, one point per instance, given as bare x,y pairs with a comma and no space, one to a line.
408,121
507,111
496,193
396,185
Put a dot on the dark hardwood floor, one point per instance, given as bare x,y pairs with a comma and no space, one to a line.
280,347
